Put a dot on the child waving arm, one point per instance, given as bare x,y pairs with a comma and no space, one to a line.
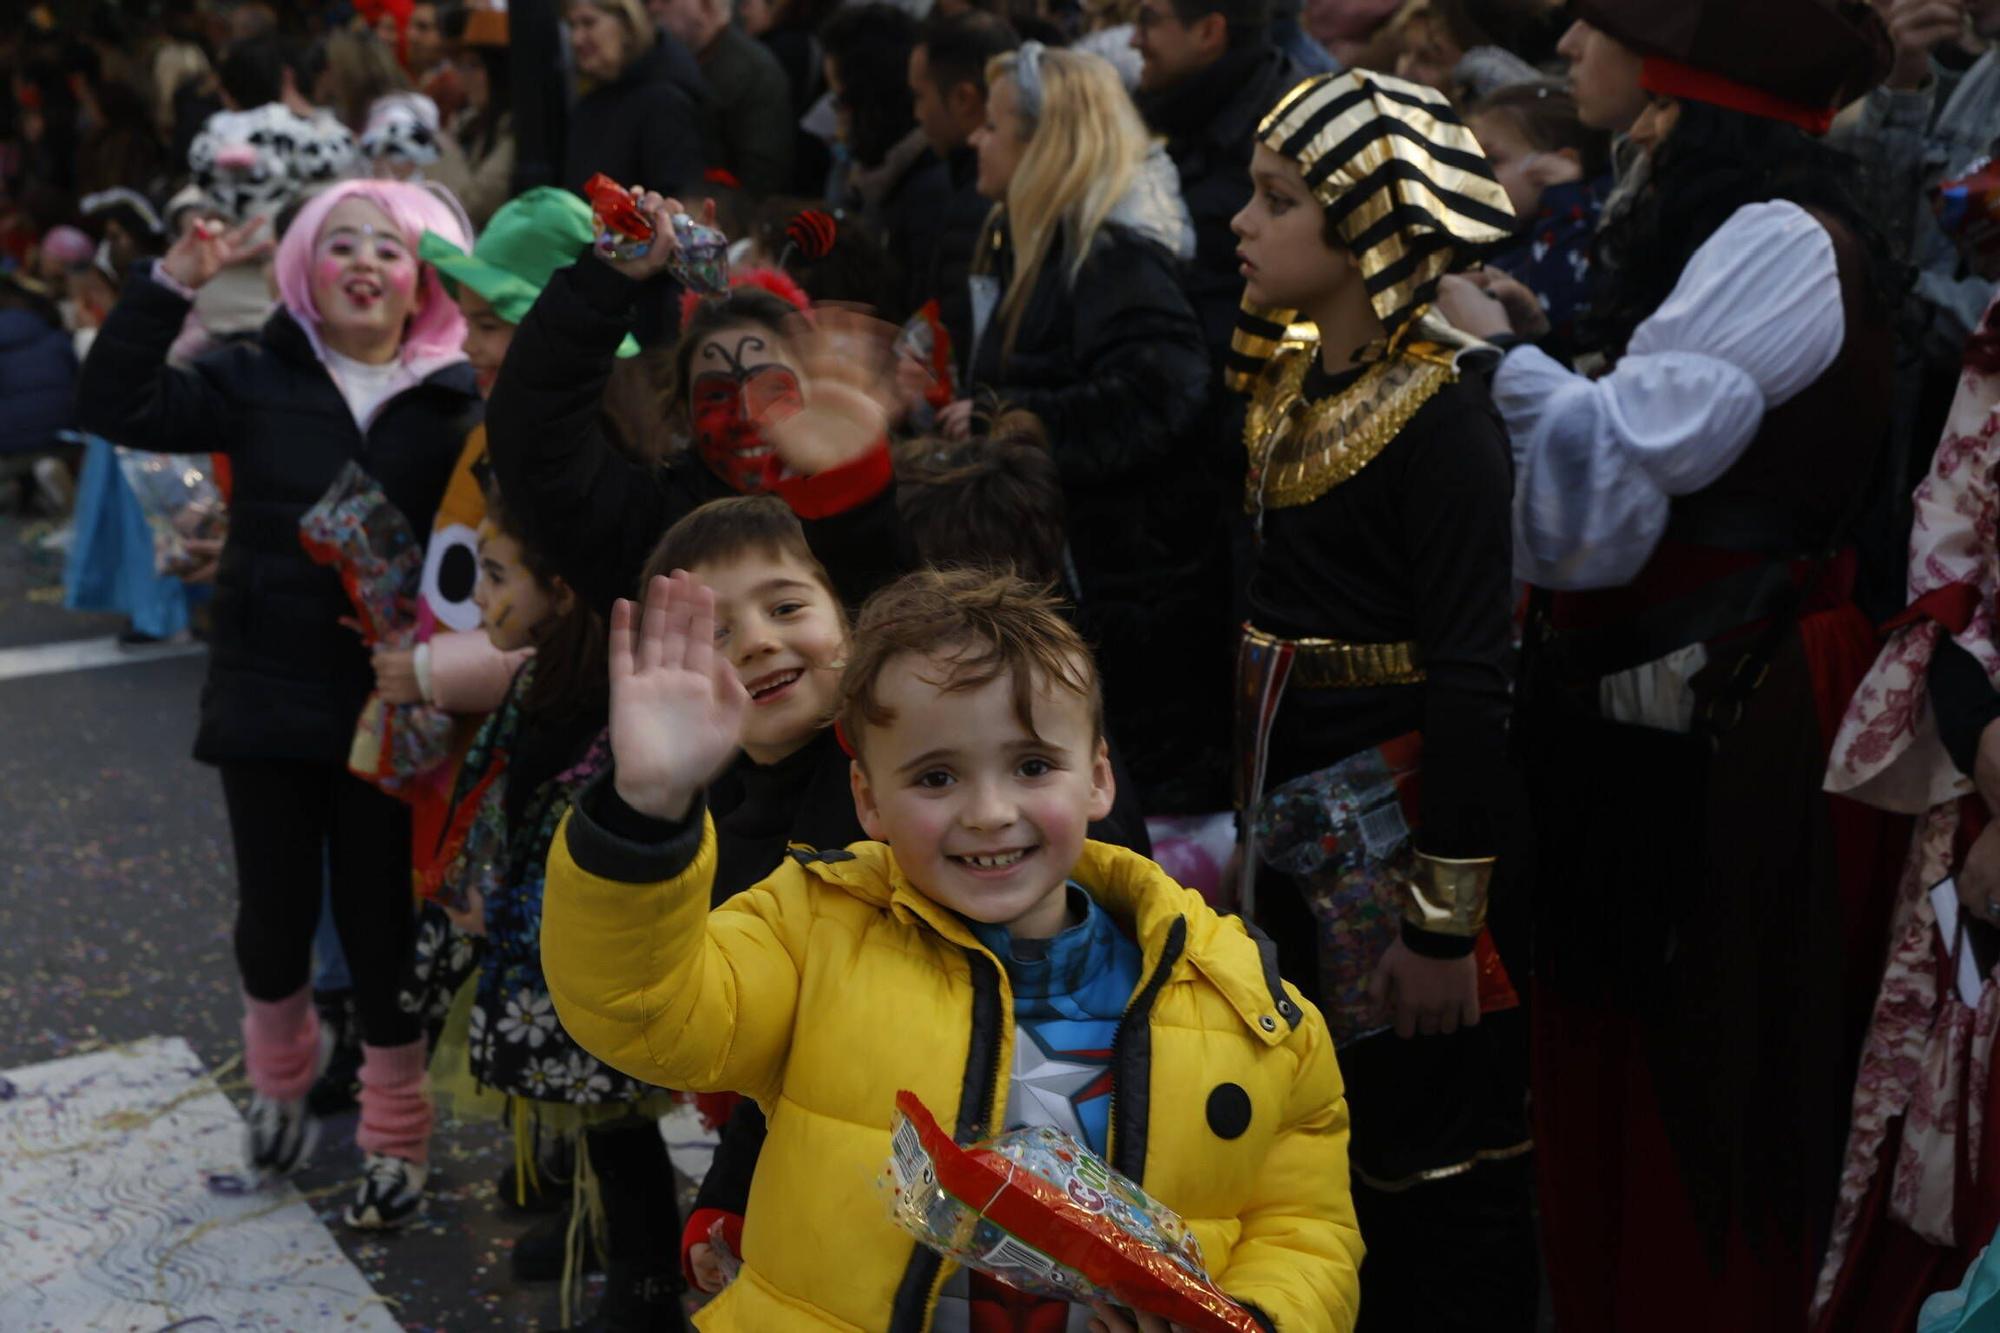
642,975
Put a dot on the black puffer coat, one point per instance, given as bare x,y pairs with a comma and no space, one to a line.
285,680
1114,365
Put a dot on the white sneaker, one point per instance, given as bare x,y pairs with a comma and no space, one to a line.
391,1193
279,1137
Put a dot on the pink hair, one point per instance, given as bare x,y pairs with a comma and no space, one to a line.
437,328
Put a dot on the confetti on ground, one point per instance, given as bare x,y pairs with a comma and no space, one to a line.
106,1219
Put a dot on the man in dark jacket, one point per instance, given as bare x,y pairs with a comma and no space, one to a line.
751,111
948,83
1210,74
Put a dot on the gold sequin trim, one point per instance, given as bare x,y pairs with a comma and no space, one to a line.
1437,1173
1300,450
1333,664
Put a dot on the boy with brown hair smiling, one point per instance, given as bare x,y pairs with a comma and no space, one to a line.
990,958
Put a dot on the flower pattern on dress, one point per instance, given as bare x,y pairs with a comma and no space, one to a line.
530,1018
589,1081
1926,1054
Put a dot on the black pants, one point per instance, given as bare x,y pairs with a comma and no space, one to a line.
292,823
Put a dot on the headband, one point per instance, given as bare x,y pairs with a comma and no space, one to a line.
1028,78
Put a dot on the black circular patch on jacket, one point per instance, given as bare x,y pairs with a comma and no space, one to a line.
1228,1111
458,571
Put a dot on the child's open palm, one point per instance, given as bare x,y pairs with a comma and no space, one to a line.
207,249
677,706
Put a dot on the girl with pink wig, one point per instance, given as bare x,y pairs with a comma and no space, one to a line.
359,363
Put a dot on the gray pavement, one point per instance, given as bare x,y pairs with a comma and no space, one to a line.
116,893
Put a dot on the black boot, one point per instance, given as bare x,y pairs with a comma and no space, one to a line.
338,1087
539,1254
642,1223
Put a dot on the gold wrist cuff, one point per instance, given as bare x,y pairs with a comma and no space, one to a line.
1448,896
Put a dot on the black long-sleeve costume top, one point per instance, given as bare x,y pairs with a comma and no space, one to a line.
1416,546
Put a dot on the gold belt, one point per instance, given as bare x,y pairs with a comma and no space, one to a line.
1329,664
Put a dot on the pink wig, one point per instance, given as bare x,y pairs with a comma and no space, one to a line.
437,328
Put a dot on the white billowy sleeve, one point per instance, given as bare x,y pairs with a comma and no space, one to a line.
1754,319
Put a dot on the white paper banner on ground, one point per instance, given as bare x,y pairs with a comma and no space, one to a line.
107,1220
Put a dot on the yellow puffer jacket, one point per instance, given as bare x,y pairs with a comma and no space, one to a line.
835,982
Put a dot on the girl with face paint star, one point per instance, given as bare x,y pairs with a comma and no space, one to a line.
360,363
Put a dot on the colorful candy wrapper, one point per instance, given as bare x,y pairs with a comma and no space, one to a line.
178,496
1036,1210
369,543
1968,211
701,257
622,229
925,339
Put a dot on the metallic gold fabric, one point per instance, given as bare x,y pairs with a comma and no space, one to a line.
1329,664
1300,450
1405,183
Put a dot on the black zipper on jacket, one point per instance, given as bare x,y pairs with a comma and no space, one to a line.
975,1105
1132,1065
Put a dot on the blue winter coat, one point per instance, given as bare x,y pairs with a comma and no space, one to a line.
37,382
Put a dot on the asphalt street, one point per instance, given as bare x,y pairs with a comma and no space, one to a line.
116,892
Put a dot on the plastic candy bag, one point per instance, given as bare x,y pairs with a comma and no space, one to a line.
372,547
1342,834
622,230
1968,211
701,257
180,501
926,340
1034,1209
700,261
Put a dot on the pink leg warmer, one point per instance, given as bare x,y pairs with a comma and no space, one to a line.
395,1113
281,1045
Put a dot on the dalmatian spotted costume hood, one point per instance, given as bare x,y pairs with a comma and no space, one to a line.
256,162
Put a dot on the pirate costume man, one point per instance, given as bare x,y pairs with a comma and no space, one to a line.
1708,922
1373,685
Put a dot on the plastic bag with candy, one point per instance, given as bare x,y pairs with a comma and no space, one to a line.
1341,832
370,544
1036,1210
925,339
180,501
1968,211
701,257
621,228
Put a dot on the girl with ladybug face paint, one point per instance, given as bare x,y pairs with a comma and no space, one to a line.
740,376
743,380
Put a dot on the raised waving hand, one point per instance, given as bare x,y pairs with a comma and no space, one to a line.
677,706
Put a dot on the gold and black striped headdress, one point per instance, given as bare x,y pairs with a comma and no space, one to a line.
1402,179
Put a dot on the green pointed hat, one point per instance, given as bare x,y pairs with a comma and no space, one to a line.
532,236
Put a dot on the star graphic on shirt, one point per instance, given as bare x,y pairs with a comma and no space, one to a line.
1045,1085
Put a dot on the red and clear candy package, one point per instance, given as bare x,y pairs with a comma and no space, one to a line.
1038,1211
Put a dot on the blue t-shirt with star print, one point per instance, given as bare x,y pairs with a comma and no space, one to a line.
1069,993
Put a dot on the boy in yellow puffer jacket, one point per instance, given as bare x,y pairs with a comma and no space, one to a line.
987,957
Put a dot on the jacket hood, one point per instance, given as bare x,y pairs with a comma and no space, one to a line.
1152,205
1138,894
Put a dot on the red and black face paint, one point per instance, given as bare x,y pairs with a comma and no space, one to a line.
729,407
